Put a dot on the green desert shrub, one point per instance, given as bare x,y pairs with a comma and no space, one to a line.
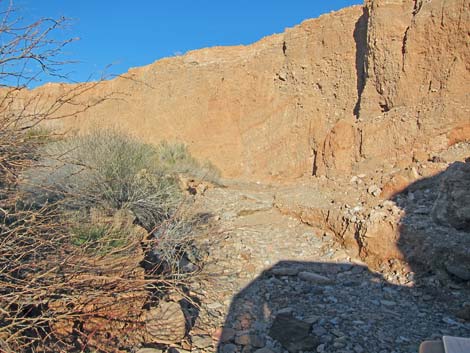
176,158
99,239
105,169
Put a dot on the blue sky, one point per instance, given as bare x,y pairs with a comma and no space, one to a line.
135,33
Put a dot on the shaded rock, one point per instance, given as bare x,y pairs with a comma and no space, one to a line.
257,341
452,206
293,334
224,334
464,313
251,340
460,270
229,348
264,350
285,271
243,340
314,278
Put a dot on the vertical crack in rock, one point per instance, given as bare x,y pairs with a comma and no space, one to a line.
360,37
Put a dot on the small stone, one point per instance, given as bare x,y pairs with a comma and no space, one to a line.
293,334
285,271
214,305
388,303
229,348
450,321
201,341
314,278
287,310
374,190
282,76
149,350
338,344
257,341
464,313
179,350
319,331
312,319
358,348
461,271
165,323
243,340
337,333
264,350
321,348
228,334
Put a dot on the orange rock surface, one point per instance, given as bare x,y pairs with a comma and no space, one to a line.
351,90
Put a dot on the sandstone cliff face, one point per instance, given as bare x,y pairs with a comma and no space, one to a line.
314,99
255,111
415,96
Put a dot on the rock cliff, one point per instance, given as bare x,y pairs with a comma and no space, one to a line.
362,88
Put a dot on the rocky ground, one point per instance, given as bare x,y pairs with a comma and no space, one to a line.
276,284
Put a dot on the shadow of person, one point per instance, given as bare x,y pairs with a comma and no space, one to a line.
344,307
327,307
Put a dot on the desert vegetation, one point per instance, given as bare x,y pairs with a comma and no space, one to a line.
87,221
345,226
95,229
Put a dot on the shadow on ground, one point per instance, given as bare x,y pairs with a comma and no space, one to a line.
334,307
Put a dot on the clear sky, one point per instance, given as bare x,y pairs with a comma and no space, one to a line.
135,33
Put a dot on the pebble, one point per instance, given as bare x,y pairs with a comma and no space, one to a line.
314,278
358,348
201,341
374,190
229,348
388,303
263,350
149,350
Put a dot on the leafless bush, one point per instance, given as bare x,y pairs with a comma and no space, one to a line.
51,283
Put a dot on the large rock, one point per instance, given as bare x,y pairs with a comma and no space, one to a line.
452,206
165,323
293,334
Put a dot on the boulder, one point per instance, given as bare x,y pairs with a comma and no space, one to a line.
165,323
452,206
293,334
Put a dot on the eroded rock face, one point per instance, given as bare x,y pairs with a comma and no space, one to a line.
348,92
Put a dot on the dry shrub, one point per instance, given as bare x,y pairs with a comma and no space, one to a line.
77,269
176,158
105,169
72,276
